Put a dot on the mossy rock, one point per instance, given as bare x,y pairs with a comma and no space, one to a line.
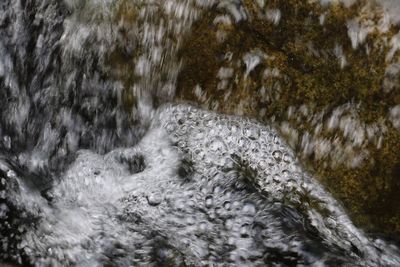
309,71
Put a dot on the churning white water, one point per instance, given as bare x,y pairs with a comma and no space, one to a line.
84,181
199,189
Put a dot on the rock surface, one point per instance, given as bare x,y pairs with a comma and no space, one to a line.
326,74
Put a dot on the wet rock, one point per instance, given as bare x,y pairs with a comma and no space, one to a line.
325,74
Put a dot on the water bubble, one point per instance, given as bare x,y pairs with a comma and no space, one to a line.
216,144
154,199
286,174
251,132
219,212
236,205
170,127
277,154
249,209
286,158
270,161
209,202
233,127
276,140
221,124
182,144
244,143
217,190
229,224
262,164
244,231
190,220
227,205
202,226
277,178
208,122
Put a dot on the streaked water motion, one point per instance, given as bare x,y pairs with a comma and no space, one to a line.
96,169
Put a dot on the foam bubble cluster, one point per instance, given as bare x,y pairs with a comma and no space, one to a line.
199,189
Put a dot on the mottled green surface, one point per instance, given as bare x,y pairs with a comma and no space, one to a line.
310,75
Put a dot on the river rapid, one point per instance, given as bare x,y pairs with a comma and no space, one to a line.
99,168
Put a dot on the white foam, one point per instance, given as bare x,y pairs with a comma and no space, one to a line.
102,207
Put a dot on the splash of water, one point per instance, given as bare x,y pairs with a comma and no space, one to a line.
200,188
185,187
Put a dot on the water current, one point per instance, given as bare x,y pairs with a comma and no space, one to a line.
89,179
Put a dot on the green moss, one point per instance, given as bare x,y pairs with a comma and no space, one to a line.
310,74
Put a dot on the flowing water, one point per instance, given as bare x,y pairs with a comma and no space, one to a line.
90,179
